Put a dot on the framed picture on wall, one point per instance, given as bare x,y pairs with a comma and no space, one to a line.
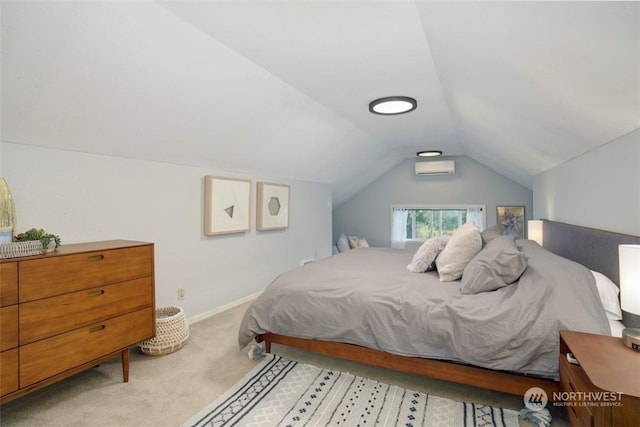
510,221
227,205
272,211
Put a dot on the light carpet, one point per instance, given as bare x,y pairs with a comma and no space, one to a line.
280,392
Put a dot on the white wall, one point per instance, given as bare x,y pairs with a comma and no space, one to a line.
367,213
600,189
85,197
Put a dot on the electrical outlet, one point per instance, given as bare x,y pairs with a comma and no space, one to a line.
181,293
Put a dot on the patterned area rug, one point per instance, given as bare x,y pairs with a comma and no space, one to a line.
279,392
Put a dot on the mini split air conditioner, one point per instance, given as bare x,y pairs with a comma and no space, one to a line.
441,167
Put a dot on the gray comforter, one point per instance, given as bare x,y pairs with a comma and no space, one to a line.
367,297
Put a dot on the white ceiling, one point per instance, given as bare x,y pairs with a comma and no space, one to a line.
281,88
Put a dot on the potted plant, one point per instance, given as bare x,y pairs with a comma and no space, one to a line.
49,241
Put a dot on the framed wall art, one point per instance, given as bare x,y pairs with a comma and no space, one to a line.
272,210
510,221
227,205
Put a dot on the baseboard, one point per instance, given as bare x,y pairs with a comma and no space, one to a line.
222,308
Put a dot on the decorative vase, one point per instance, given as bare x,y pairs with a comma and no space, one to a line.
7,213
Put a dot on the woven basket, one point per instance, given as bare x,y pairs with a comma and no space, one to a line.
18,249
172,331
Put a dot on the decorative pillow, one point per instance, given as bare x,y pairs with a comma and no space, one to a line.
334,250
463,245
490,234
608,292
343,243
499,264
358,242
425,257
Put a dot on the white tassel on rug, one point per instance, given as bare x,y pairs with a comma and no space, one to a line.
538,418
256,352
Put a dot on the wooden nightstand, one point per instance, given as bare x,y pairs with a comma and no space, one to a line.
604,389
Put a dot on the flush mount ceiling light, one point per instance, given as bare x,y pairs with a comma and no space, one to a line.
393,105
429,153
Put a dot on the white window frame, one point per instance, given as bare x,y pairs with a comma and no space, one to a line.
433,206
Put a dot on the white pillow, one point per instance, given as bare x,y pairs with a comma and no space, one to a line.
608,292
358,242
425,257
464,244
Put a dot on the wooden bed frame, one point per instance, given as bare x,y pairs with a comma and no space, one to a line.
440,369
596,249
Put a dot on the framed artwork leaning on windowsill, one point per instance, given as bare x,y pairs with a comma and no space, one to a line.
510,221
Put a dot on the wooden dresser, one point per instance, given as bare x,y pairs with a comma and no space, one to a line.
69,310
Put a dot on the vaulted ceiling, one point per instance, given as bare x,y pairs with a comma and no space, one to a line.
282,88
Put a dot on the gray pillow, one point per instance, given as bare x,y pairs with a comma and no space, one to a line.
343,243
490,234
464,244
425,257
499,264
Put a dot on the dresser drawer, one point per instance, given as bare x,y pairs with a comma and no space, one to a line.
8,283
574,379
52,316
9,371
46,358
46,277
8,327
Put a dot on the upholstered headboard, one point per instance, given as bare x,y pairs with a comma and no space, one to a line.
595,249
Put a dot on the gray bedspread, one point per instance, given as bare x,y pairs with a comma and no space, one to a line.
367,297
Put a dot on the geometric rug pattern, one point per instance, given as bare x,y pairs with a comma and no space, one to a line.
280,392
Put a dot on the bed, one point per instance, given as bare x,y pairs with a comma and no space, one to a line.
365,306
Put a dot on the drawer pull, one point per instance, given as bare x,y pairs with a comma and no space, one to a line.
96,257
96,293
96,329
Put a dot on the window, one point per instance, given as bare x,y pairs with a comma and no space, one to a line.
424,224
417,223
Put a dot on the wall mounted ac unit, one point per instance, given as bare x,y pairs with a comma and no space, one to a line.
441,167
